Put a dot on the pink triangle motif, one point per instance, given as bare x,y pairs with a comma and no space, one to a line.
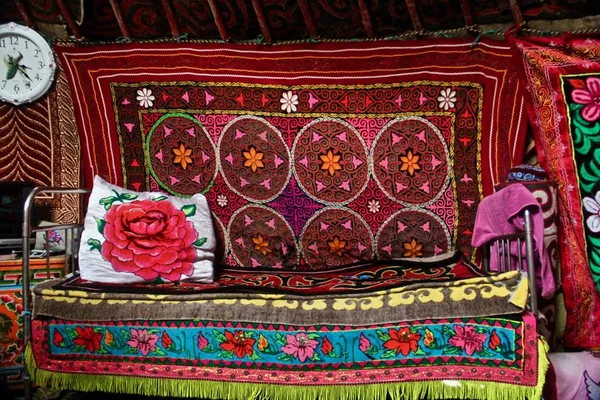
186,97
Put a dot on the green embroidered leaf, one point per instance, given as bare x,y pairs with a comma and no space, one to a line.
452,351
160,198
255,356
383,336
79,349
447,331
107,201
189,210
128,196
71,331
200,242
94,244
101,224
316,357
285,357
225,354
419,352
389,354
280,339
159,352
481,329
250,334
125,334
313,336
485,352
131,350
102,350
11,307
219,336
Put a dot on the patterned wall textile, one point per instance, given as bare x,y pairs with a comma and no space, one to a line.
39,143
563,77
310,155
11,333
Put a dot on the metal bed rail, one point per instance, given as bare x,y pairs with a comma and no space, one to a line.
509,255
72,234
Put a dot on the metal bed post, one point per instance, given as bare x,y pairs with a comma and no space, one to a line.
528,225
26,237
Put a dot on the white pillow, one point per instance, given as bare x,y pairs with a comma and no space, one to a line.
145,237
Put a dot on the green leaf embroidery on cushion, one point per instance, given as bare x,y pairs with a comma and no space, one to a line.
389,354
160,198
384,337
107,202
285,357
448,331
219,336
189,210
128,196
94,244
200,242
101,224
280,338
254,356
419,352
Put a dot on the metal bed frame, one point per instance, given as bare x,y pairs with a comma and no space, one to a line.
505,260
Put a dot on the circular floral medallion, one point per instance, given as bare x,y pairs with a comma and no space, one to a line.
330,161
222,244
180,155
336,236
410,161
260,237
412,233
254,159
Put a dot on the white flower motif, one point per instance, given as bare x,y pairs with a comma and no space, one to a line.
447,98
145,97
222,200
289,101
593,206
373,206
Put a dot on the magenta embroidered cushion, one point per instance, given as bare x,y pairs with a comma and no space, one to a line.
145,236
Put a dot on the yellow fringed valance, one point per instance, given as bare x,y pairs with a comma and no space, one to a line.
233,390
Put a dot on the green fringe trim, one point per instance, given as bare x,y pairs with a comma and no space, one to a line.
244,391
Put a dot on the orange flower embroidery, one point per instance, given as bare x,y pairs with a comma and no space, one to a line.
253,159
429,339
412,249
261,245
262,342
336,246
182,156
331,162
410,163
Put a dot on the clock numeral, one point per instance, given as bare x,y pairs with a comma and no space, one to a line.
40,65
37,77
3,83
27,44
17,88
2,43
14,40
37,53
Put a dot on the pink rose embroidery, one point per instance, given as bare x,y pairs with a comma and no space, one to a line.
466,338
141,340
150,239
300,346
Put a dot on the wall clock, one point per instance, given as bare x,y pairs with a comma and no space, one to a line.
26,64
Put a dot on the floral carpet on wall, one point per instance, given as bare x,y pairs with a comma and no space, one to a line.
322,154
563,76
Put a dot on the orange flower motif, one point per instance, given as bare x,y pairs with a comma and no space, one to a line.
429,339
253,159
410,163
261,245
494,340
182,156
402,341
262,342
108,338
331,162
413,249
336,246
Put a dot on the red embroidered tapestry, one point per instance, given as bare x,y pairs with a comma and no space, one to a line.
320,154
563,79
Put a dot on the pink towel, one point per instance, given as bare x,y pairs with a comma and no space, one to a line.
501,214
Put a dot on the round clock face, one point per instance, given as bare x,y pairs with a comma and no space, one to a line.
26,64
